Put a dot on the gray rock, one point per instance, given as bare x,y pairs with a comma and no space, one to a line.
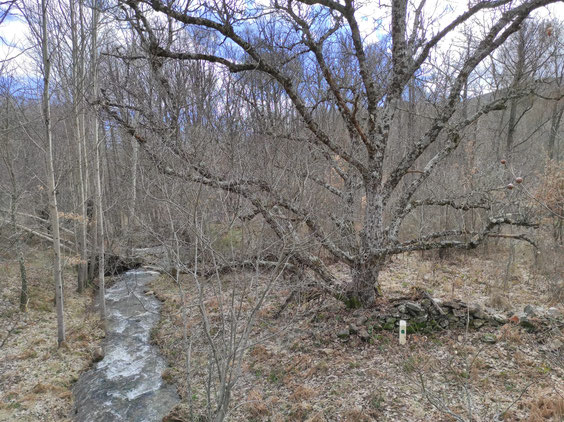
97,354
477,311
482,315
402,309
452,304
443,323
477,323
499,318
530,310
525,322
452,317
353,329
420,318
363,334
414,308
459,313
344,333
474,308
554,345
489,338
361,321
553,313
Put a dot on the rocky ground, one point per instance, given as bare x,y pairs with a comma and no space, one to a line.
36,377
318,361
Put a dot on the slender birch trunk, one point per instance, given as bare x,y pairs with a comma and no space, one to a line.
97,176
51,187
515,84
78,94
90,221
14,197
557,113
133,198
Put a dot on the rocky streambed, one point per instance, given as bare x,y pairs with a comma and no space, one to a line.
126,385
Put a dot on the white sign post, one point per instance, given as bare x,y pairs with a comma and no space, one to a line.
402,332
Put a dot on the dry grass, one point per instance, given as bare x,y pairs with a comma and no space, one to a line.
548,407
306,373
35,375
256,406
301,393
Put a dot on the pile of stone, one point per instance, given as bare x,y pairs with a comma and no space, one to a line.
427,315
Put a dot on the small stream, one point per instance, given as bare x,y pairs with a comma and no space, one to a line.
126,385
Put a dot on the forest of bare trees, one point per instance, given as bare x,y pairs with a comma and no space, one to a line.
305,142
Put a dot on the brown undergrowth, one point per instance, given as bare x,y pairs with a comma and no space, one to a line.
303,371
36,377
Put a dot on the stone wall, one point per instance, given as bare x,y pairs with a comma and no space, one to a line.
425,315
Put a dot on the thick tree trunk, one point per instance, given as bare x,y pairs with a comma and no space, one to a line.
364,288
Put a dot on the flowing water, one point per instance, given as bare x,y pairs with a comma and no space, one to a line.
126,385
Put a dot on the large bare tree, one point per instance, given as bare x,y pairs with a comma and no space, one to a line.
315,62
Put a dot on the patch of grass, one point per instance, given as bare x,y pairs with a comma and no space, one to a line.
463,374
225,239
547,407
256,405
382,339
375,401
544,369
28,354
411,364
302,393
300,411
46,384
423,327
509,386
275,376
